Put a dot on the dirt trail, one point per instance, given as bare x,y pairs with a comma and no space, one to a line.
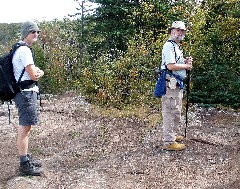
81,150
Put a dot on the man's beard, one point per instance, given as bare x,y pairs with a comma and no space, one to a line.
180,38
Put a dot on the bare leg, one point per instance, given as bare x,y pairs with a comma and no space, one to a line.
22,140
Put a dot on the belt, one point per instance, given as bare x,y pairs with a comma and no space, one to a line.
27,84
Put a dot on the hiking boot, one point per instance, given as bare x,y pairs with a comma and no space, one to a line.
174,146
35,163
27,169
179,138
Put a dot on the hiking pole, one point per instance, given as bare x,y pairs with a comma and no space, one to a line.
188,91
9,113
187,95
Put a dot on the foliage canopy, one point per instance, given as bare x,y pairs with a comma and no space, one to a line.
110,55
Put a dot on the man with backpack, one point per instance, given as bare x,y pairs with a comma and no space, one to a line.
176,67
26,100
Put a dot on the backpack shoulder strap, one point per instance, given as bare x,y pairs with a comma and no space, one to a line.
19,79
19,44
172,41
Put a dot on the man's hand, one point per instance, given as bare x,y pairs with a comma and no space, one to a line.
34,72
188,62
39,74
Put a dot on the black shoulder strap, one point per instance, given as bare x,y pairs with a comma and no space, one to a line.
16,46
19,44
19,79
172,41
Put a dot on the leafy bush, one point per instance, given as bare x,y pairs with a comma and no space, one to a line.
128,79
57,54
216,73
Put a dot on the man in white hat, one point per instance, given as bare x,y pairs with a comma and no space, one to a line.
176,66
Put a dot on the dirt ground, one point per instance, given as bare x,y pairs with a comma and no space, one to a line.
82,150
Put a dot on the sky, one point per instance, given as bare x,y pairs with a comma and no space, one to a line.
15,11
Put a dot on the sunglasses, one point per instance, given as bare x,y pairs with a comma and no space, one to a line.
33,32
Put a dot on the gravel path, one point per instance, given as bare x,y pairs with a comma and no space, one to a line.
81,150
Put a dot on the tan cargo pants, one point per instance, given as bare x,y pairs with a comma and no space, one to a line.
171,113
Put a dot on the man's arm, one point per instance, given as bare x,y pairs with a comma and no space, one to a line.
34,72
186,66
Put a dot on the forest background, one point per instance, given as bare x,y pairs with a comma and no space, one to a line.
110,54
